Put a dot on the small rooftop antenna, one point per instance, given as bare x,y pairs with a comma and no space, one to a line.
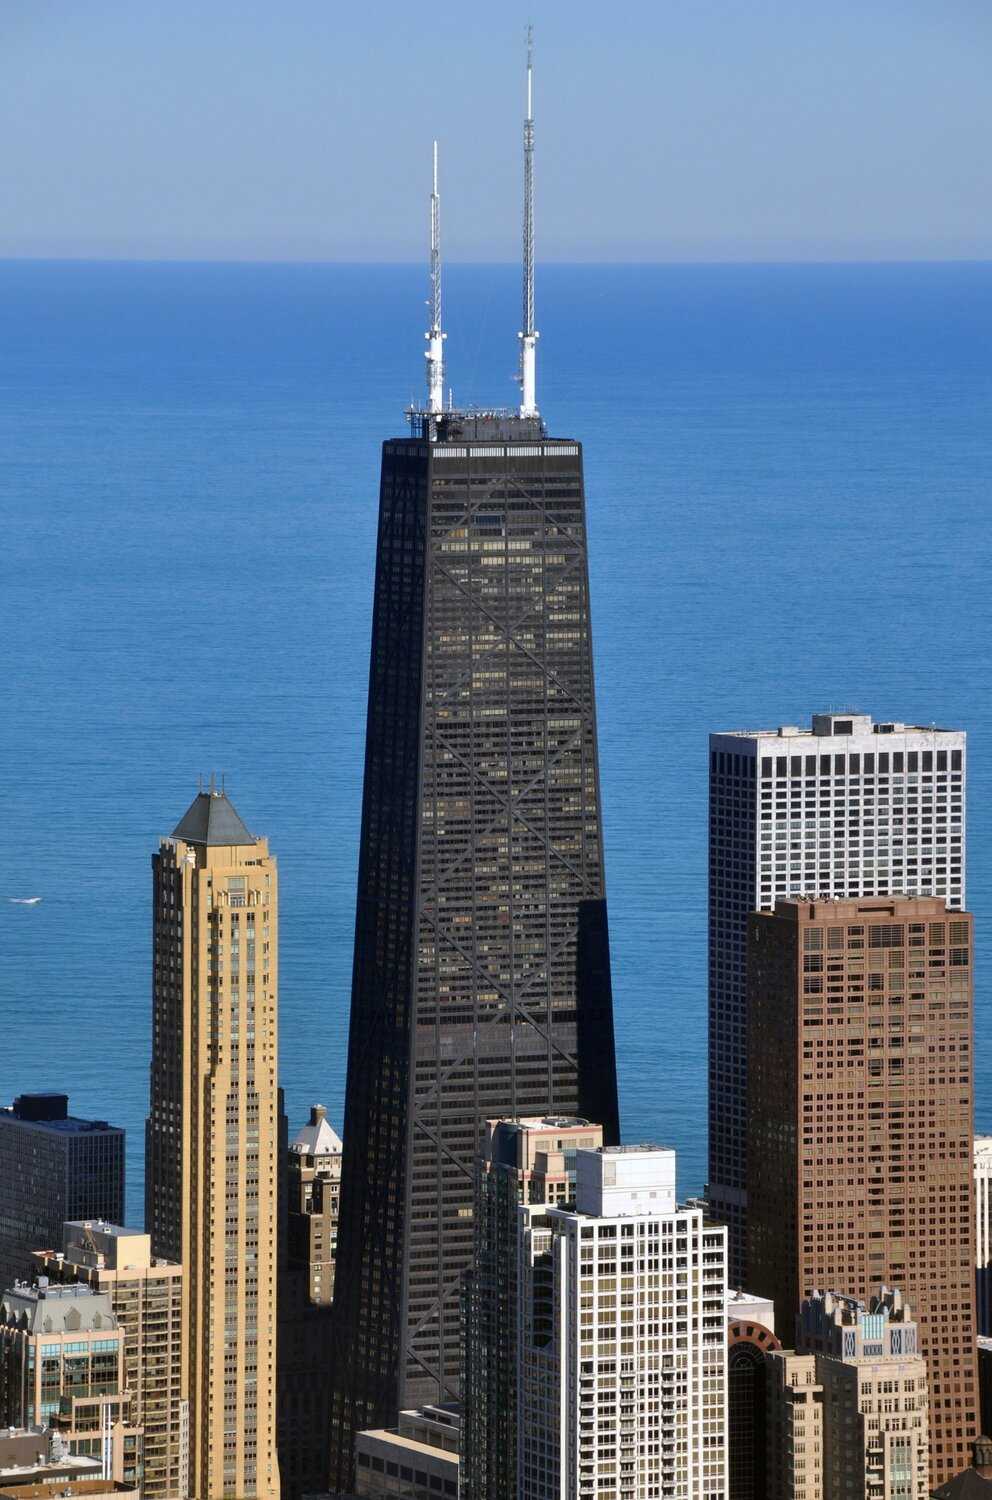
528,335
435,338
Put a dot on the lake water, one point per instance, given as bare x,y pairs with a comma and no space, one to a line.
788,474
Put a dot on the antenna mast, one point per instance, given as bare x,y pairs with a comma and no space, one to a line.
528,336
435,338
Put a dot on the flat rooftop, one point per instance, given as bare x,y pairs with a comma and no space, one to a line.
850,908
58,1487
543,1122
70,1126
645,1147
409,1445
835,725
101,1226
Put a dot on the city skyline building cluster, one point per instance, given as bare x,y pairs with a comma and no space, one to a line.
477,1289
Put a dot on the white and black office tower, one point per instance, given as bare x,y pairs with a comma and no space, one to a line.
846,808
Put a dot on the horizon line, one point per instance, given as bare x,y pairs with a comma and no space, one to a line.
416,264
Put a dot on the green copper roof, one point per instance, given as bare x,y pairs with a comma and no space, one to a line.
211,819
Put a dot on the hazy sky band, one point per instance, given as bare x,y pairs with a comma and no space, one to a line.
718,131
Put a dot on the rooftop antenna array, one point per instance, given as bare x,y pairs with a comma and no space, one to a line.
435,338
528,335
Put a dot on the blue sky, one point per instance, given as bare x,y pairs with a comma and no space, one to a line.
697,130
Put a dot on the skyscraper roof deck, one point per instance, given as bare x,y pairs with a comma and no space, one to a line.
837,724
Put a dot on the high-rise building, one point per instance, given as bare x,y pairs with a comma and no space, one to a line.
314,1185
312,1164
983,1232
846,808
622,1355
521,1161
794,1428
750,1336
860,1364
481,980
53,1167
62,1364
860,1130
211,1172
146,1295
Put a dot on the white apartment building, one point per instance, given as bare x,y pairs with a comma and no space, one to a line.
622,1390
983,1234
847,807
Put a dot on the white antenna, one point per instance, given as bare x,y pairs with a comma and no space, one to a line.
435,338
528,336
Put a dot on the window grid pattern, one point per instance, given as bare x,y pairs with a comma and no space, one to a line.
482,984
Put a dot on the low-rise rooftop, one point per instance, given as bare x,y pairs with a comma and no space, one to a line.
51,1307
50,1111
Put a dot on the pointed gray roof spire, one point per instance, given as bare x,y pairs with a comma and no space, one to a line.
211,819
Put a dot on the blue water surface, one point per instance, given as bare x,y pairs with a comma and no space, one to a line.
788,472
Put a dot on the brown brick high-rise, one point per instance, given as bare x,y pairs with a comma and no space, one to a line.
860,1124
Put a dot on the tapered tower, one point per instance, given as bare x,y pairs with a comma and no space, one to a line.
481,984
210,1177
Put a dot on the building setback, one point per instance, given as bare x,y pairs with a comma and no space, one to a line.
860,1124
53,1167
847,808
146,1296
211,1174
521,1161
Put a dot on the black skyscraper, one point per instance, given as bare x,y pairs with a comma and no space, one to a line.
481,984
482,976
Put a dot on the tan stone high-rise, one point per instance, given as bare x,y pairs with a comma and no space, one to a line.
860,1125
211,1196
